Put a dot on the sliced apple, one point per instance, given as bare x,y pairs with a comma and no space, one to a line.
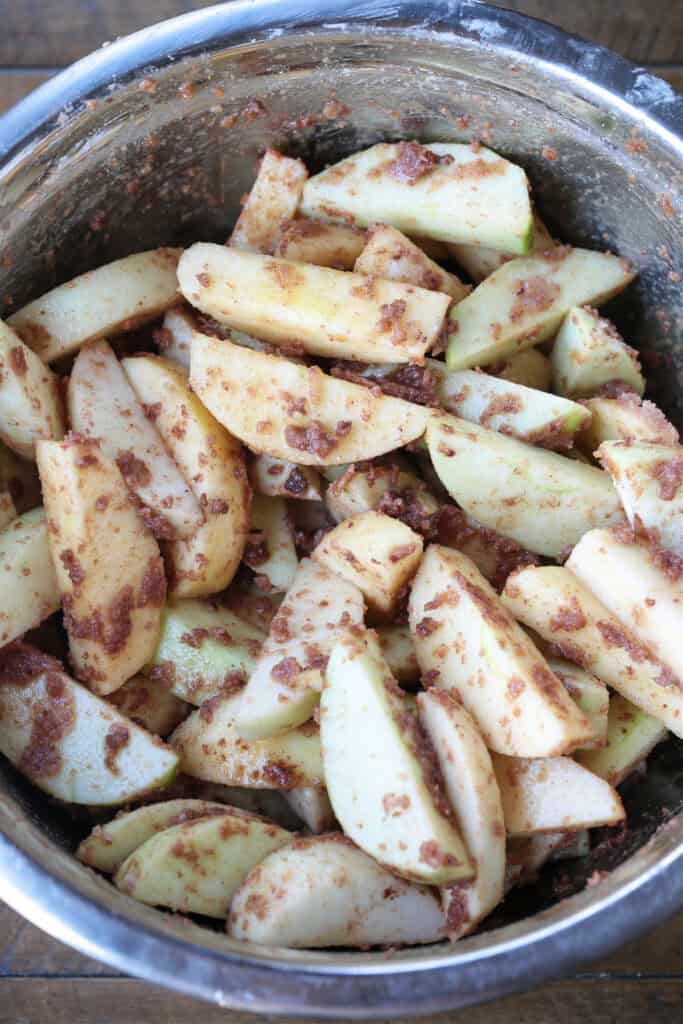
324,891
525,301
211,748
296,412
279,478
175,337
376,553
103,405
30,402
553,601
589,352
326,245
149,705
444,191
528,367
589,694
70,743
480,261
329,312
28,586
195,867
550,794
270,549
109,845
313,806
381,773
467,643
398,650
648,478
473,793
272,202
540,499
361,488
203,650
631,735
626,418
115,298
108,566
284,688
392,256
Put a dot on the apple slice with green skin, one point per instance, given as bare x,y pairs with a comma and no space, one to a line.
589,693
648,478
381,773
473,793
330,893
211,748
30,402
623,419
445,191
638,582
631,735
297,412
552,794
553,601
466,642
28,584
480,261
203,650
270,549
539,498
313,806
109,845
195,867
525,301
70,743
284,687
376,553
149,705
213,464
102,405
529,415
589,352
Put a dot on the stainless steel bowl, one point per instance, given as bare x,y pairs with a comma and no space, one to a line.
95,164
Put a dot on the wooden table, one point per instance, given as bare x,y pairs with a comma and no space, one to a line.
41,980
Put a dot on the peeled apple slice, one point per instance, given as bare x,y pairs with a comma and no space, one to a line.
330,893
196,867
588,352
68,742
381,774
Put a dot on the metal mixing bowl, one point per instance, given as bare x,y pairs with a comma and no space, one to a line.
93,166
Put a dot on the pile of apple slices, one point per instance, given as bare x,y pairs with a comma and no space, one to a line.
358,637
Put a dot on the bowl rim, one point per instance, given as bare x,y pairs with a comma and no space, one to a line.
365,987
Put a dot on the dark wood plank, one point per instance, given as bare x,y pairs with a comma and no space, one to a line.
14,85
56,32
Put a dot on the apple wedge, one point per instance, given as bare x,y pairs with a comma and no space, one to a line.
149,705
479,261
102,405
626,418
211,748
108,566
539,498
213,464
326,245
329,312
70,743
553,601
589,694
272,202
376,553
297,412
195,867
284,688
525,301
279,478
313,806
528,367
444,191
381,773
324,891
631,735
28,586
115,298
107,846
551,794
203,650
473,793
362,487
467,643
270,549
638,582
390,255
175,337
648,478
30,402
398,650
589,352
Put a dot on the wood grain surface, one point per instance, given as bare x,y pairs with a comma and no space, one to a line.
44,981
